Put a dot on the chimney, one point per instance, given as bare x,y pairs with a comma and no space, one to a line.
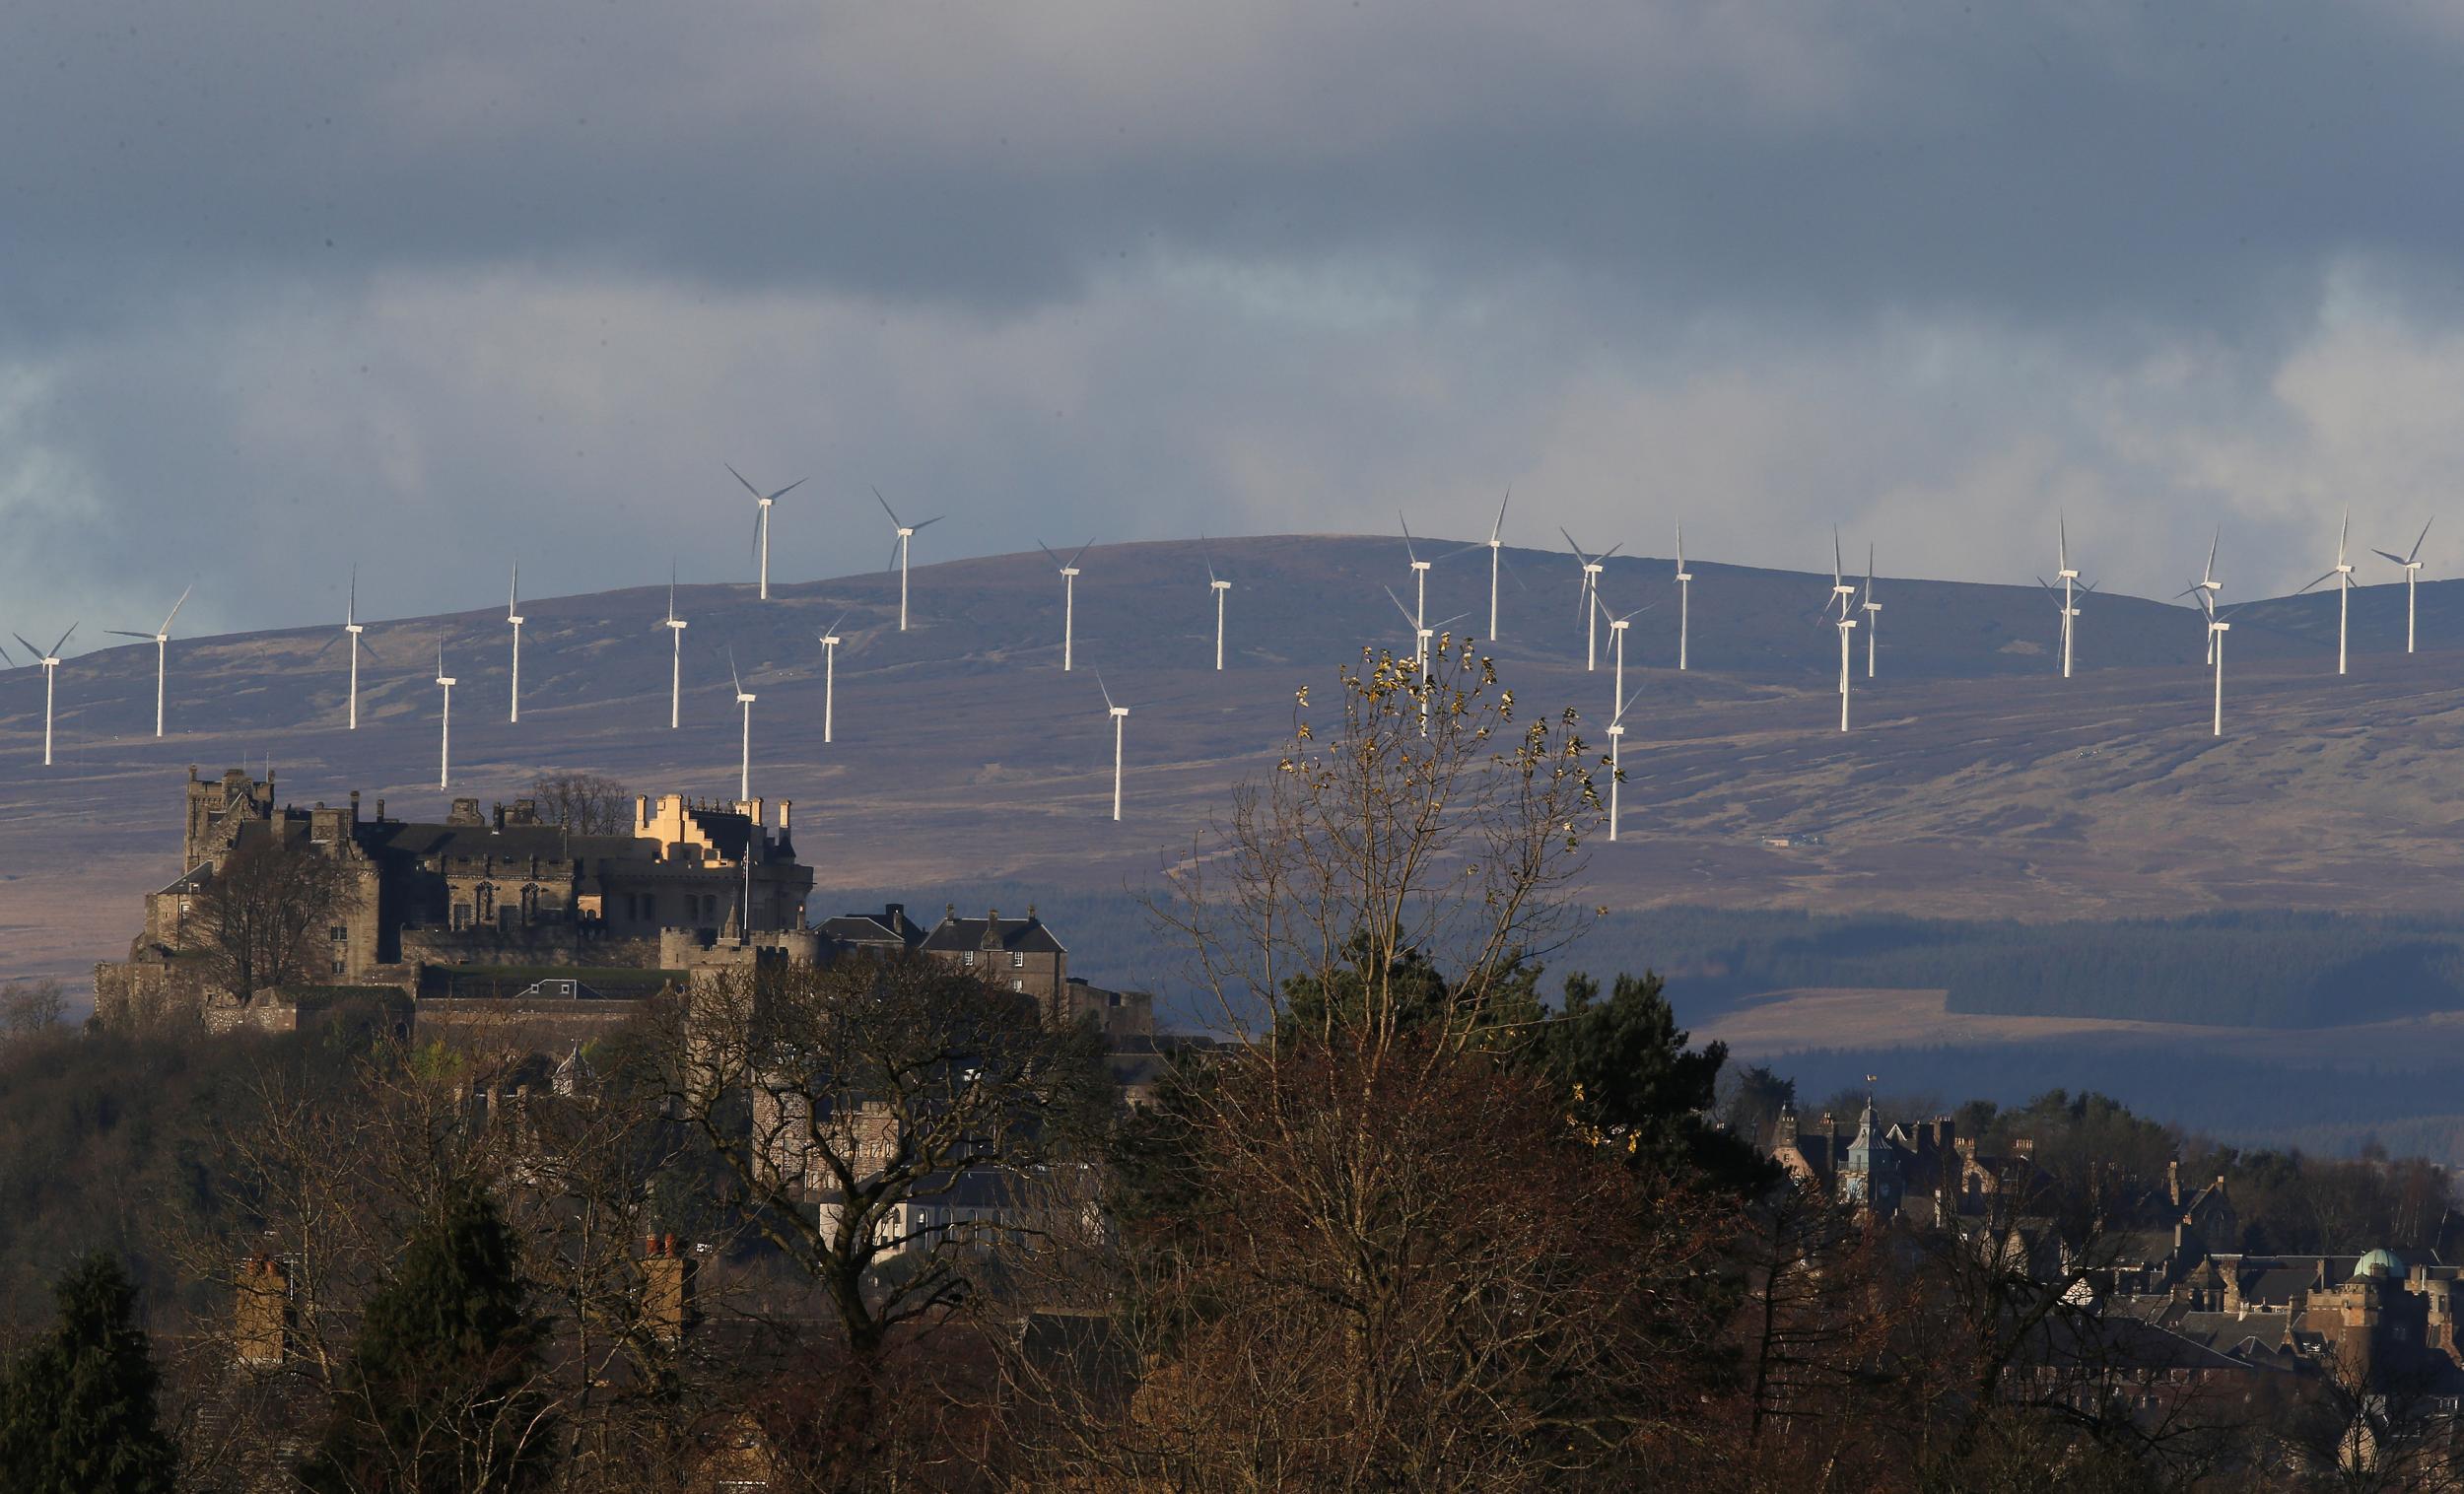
641,811
784,807
497,815
355,806
2173,1181
668,1274
261,1320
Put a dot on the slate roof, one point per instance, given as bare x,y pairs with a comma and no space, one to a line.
891,925
1028,935
548,842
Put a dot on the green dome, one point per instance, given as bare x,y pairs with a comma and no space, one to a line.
2382,1262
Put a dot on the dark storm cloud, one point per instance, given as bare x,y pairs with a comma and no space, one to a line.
2169,161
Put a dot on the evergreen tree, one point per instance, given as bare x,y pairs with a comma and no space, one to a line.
77,1411
441,1389
1631,1080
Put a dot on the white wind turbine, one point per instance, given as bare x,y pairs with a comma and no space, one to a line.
351,630
1497,560
1873,611
830,674
2216,629
1219,586
1120,719
161,647
513,615
675,627
2206,588
1419,571
1843,596
1592,565
2342,576
1421,634
906,535
2073,589
1685,595
2411,564
1616,639
1068,570
49,659
744,775
445,724
1616,771
761,520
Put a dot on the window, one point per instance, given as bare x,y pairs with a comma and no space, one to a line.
1017,960
1018,986
338,971
339,933
969,958
461,916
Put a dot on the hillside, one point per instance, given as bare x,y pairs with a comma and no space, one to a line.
1977,783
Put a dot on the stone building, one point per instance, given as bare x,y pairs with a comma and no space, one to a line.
494,889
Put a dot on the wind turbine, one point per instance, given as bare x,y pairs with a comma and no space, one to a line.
1219,586
2216,629
1616,639
445,724
2065,602
1419,571
1591,595
2411,564
1120,716
1421,633
162,646
1842,598
2208,589
675,652
1496,559
761,520
829,673
513,615
2071,578
1617,773
1873,611
1685,595
351,630
906,535
744,776
1068,570
2342,576
50,659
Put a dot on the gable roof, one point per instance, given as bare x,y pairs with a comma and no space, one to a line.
1027,935
891,925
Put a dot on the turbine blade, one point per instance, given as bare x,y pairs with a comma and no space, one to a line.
1498,529
1083,550
886,509
2208,573
1099,685
734,678
929,522
1577,549
1049,556
2416,544
1680,547
176,606
739,477
32,651
789,488
1406,524
1206,555
63,643
2330,576
329,642
2062,527
834,624
1399,605
351,609
2398,559
124,633
370,650
893,561
1612,550
2343,533
1837,564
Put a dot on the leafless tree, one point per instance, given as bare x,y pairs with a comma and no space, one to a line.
587,804
262,915
30,1007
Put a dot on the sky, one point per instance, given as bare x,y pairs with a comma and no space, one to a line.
286,286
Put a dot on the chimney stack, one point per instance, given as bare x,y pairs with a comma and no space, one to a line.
666,1290
261,1321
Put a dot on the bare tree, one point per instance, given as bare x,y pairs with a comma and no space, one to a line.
30,1007
863,1110
1425,825
587,804
262,915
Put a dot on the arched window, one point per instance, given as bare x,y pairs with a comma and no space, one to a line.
531,903
486,901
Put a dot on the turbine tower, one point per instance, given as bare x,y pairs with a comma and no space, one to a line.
1421,633
2216,629
906,535
2206,588
761,521
2411,564
1219,586
351,630
445,725
2342,576
1585,604
829,673
744,775
1842,598
1496,559
675,627
1684,596
162,646
1616,641
1068,570
1873,611
1616,771
1420,573
2067,575
513,615
50,659
1120,716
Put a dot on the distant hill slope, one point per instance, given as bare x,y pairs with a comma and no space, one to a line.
1977,783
